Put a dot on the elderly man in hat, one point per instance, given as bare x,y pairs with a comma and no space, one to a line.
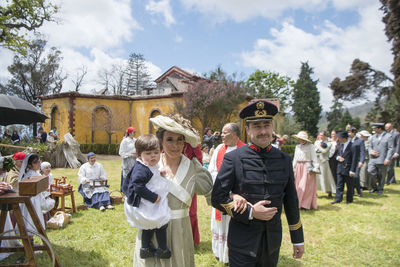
364,178
263,175
346,168
381,152
220,222
11,177
391,179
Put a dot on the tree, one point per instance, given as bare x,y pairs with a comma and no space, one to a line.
35,74
138,79
19,16
267,84
212,102
306,107
364,78
79,78
113,79
335,115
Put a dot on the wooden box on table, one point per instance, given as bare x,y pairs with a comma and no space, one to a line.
33,185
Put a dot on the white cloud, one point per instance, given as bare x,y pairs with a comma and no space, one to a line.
330,52
239,10
178,38
163,8
101,23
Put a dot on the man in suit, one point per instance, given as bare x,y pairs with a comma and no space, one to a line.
358,147
391,179
263,175
346,169
381,152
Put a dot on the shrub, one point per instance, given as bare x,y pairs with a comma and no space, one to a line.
289,149
107,149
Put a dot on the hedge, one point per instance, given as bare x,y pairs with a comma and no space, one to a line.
107,149
289,149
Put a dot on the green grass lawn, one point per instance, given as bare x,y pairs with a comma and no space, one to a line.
365,233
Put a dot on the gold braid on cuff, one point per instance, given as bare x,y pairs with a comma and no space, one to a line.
228,208
294,227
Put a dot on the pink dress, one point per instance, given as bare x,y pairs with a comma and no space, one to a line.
304,160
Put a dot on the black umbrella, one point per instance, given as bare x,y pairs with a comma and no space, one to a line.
14,110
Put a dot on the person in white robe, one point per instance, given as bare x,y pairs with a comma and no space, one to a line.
92,178
127,151
41,203
325,181
220,222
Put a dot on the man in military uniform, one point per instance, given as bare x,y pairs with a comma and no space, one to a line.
263,175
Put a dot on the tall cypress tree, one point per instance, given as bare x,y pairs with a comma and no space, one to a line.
306,107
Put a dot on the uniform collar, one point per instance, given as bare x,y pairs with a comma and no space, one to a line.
259,149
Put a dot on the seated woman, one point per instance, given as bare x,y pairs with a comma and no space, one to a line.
42,203
96,196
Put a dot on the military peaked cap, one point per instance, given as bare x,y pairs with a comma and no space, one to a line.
258,110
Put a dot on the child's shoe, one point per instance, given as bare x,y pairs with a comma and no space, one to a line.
146,253
163,253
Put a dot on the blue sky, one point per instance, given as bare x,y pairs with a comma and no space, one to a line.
241,36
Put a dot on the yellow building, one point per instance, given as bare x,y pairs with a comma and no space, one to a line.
95,118
104,119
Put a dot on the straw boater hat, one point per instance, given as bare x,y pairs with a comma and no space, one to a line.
177,124
302,135
365,133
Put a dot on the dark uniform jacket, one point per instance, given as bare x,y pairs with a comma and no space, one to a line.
256,176
350,162
358,148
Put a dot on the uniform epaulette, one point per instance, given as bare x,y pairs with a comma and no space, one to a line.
228,208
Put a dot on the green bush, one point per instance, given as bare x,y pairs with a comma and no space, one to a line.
289,149
107,149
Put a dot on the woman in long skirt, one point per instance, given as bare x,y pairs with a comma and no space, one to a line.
305,166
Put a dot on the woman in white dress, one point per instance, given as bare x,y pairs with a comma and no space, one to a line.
305,166
127,151
184,177
325,181
41,202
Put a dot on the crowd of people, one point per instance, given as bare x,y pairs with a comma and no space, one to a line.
248,185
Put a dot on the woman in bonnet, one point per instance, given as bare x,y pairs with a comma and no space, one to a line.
184,177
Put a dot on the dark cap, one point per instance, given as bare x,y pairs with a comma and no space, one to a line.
258,110
378,125
342,134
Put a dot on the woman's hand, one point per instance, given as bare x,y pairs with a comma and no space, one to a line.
4,187
158,199
240,203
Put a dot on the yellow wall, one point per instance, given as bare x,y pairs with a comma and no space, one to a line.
141,110
62,123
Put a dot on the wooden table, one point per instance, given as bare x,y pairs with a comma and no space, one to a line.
56,195
9,202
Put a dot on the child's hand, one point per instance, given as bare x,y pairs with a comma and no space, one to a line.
158,199
163,172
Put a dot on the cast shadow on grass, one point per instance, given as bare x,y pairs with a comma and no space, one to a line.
365,203
388,190
67,256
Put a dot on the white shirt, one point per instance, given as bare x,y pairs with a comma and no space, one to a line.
306,153
127,147
212,168
91,172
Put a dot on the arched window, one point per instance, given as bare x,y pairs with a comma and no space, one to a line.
153,113
55,118
101,125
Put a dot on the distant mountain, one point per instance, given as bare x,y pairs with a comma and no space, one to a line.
360,111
